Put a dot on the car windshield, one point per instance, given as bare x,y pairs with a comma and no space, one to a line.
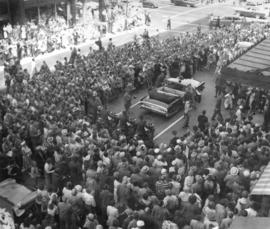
176,86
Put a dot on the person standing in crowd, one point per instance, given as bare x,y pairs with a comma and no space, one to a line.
239,113
218,22
187,108
127,99
48,170
99,44
203,121
217,110
218,85
110,45
266,115
169,24
147,18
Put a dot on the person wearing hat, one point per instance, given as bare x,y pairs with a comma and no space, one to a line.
64,212
170,201
239,113
202,121
127,99
88,199
187,109
174,139
232,178
90,222
140,224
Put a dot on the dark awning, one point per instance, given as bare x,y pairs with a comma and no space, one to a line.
252,68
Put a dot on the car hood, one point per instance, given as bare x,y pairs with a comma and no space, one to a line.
16,193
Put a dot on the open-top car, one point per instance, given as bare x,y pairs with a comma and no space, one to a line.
16,198
182,85
168,99
163,100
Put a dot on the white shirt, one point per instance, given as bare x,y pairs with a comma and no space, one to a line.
47,168
88,199
251,212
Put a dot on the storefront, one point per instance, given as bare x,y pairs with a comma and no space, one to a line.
25,10
252,68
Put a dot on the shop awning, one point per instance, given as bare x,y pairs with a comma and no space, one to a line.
250,223
252,68
262,187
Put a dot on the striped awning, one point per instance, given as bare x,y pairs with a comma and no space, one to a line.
262,187
252,68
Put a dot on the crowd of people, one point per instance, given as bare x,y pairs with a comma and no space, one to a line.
94,170
54,33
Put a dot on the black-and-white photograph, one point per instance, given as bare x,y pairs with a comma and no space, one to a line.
134,114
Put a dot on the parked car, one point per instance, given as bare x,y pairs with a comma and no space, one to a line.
16,198
182,85
163,101
150,3
251,12
254,2
225,20
188,3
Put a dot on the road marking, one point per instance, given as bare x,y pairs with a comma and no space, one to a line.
135,104
169,127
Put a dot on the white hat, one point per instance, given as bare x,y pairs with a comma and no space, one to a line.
122,154
163,171
171,170
159,157
156,150
178,141
145,169
140,223
64,132
243,201
169,150
234,171
78,188
10,153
